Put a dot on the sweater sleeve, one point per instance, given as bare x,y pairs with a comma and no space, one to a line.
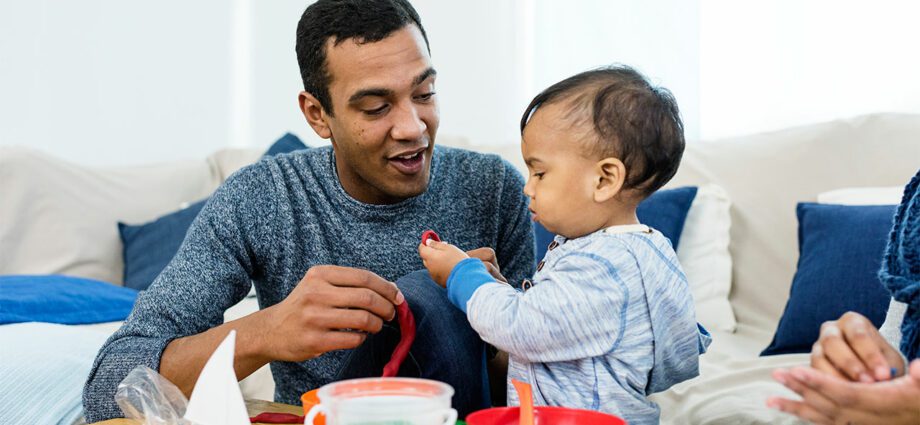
575,311
515,248
209,274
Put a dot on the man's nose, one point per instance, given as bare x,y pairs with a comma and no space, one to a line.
407,124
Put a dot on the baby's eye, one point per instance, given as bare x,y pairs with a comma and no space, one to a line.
539,175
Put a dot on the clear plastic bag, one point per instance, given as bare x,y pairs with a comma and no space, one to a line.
146,396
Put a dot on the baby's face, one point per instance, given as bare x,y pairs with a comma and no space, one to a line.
562,176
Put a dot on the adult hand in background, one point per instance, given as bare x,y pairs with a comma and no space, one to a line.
851,348
831,399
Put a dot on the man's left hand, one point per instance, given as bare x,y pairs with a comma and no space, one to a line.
487,255
828,399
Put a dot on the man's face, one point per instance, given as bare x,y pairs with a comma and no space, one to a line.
385,115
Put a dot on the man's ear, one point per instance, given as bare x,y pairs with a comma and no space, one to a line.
611,175
315,114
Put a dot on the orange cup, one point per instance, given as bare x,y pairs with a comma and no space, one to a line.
310,399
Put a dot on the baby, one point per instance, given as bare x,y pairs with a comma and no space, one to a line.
608,318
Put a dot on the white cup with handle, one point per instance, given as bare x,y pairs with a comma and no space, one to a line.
381,401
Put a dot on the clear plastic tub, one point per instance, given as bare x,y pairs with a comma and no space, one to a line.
385,401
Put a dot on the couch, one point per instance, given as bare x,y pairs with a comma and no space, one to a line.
60,218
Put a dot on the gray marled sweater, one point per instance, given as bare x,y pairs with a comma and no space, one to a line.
270,222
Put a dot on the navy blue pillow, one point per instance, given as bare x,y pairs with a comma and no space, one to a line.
665,210
840,253
148,248
62,299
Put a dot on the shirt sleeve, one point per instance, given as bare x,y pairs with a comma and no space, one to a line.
515,248
577,309
209,274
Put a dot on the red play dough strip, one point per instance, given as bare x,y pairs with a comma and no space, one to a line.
430,234
276,418
407,336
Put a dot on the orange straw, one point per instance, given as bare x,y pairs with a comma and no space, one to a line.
526,397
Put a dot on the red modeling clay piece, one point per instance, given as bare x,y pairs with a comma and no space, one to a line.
430,234
276,418
407,332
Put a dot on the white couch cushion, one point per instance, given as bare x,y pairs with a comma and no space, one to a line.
766,175
59,217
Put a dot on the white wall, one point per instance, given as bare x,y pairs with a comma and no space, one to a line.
111,82
125,82
774,64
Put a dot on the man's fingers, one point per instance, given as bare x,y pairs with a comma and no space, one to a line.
487,255
363,299
357,278
340,319
340,340
864,340
839,353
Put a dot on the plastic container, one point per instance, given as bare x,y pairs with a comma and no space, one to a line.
310,399
543,415
383,401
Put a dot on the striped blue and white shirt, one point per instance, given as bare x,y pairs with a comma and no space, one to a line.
608,321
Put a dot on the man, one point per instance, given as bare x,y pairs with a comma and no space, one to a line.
323,233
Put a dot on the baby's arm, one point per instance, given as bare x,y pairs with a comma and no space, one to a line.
577,310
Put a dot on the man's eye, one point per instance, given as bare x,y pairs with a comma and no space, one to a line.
377,111
425,97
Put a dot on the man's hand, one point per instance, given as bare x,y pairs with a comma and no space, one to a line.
487,255
440,258
851,348
828,399
332,308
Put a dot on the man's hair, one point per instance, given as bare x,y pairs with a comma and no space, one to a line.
365,21
632,120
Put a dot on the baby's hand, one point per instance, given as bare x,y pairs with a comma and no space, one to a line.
440,258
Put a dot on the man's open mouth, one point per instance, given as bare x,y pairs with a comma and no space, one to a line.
409,163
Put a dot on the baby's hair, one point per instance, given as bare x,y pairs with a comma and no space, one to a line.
632,120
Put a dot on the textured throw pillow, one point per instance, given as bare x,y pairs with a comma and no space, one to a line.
149,247
840,252
62,299
665,211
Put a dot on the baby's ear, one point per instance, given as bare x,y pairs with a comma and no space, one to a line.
611,175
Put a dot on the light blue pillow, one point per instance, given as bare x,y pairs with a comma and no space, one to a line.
43,368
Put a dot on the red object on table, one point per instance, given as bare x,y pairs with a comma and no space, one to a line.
276,418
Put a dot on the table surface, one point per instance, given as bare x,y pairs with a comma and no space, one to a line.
254,406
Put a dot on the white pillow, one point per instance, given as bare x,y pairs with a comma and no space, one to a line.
863,196
703,253
60,217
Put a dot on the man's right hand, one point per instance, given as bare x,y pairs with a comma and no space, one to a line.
851,348
331,308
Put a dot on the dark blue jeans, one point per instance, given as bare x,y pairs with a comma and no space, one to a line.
446,348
